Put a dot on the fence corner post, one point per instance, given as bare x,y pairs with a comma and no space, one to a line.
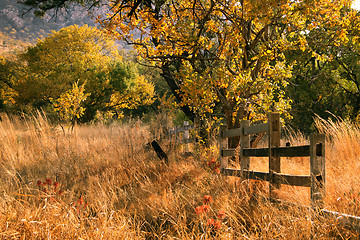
186,137
244,143
222,145
274,141
176,139
317,170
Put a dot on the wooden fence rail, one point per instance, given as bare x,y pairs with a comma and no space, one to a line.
316,151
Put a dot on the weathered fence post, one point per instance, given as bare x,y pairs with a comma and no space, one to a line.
274,141
317,170
222,145
244,143
175,134
186,137
161,154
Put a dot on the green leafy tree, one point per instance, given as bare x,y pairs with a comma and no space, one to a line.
8,70
61,59
80,54
326,73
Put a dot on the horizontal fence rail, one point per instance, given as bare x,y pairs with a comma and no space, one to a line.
260,128
297,151
294,180
315,151
236,132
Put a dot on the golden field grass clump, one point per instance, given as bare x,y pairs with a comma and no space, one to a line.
342,165
103,182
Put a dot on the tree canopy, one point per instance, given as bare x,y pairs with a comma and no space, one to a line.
325,72
225,54
82,55
238,57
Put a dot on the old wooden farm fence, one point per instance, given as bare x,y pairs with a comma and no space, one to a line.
181,135
316,151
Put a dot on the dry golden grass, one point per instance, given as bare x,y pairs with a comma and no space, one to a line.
115,188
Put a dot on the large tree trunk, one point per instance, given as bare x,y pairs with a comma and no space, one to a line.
233,123
175,89
173,83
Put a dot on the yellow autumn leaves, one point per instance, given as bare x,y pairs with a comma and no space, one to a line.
227,53
77,69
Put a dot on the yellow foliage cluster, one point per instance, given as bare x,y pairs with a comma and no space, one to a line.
55,70
140,94
68,105
230,52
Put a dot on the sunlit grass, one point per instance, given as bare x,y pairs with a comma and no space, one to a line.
114,187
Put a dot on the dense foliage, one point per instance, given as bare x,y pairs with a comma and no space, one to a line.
240,59
233,58
326,74
43,73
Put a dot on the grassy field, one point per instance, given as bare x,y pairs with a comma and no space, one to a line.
101,182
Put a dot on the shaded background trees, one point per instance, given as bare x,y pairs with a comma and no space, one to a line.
325,76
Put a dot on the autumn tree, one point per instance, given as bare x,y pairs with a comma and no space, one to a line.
80,54
325,71
223,54
228,54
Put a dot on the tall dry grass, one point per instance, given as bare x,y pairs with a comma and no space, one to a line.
113,187
343,164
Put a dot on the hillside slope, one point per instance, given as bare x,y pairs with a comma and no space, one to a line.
19,23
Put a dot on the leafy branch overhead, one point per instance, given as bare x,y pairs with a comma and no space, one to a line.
40,7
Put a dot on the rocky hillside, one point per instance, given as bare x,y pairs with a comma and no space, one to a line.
19,23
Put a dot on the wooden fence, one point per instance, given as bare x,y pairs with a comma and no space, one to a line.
181,136
316,151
